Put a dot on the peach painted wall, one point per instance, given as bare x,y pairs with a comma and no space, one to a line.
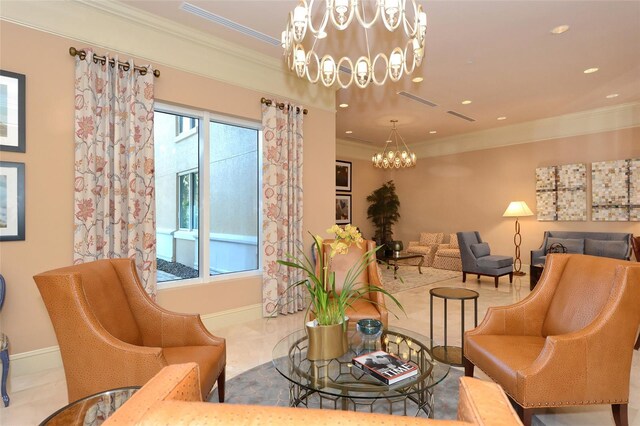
43,58
470,191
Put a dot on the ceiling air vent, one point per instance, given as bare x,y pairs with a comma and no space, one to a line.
358,139
417,98
457,114
188,7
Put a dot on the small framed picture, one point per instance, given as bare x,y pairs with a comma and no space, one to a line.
343,176
11,201
12,111
343,209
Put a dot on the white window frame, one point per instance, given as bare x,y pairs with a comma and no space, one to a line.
204,118
191,199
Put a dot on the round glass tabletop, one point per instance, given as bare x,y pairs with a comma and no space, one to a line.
92,410
338,377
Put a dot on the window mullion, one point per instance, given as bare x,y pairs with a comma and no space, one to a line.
204,202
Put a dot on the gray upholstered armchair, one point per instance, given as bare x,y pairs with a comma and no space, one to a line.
477,259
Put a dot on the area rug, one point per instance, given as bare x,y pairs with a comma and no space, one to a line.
263,385
409,277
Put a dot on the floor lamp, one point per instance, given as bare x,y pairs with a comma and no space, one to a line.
517,209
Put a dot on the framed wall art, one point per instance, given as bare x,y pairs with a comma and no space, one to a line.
561,192
11,201
343,209
343,176
615,190
12,112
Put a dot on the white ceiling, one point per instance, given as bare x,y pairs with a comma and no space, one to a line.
498,54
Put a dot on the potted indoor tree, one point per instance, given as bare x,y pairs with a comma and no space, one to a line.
384,206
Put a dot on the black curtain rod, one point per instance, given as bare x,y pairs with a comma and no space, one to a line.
281,105
125,65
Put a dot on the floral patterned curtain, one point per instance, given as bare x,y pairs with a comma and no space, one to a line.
282,207
114,203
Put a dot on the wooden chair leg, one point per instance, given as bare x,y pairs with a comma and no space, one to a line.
221,379
620,415
478,276
464,277
510,277
468,367
637,346
525,414
496,279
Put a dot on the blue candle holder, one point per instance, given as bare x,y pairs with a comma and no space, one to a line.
370,330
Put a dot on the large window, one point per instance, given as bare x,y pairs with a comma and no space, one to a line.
207,217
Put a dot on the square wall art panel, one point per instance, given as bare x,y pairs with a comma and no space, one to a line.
561,192
615,190
546,193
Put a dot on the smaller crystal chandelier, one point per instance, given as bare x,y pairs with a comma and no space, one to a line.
390,158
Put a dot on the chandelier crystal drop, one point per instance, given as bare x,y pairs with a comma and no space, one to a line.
307,63
390,158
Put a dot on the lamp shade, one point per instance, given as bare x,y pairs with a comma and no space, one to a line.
517,209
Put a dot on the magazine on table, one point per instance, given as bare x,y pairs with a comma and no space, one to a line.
386,367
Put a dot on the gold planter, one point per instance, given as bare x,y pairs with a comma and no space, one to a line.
326,341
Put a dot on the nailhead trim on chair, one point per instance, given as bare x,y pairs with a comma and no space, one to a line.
546,404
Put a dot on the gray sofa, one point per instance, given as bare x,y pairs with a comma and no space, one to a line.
605,244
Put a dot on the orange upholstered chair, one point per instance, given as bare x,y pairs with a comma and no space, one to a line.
635,244
570,342
172,398
366,307
111,334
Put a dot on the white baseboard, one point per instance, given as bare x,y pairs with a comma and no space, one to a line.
32,362
232,316
40,360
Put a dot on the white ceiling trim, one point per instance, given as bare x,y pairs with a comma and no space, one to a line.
582,123
113,26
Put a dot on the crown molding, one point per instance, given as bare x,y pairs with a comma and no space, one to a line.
353,150
112,25
599,120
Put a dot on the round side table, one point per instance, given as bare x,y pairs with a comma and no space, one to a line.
451,355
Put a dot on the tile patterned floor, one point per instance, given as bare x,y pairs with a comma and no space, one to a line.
249,344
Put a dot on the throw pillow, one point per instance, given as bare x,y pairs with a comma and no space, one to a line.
614,249
480,249
427,238
573,245
453,241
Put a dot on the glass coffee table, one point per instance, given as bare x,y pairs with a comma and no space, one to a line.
337,384
92,410
392,260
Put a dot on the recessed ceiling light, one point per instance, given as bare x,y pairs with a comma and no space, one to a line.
343,105
613,95
433,132
322,35
560,29
502,118
349,132
417,79
466,102
590,70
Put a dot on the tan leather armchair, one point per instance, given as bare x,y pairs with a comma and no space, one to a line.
171,398
570,342
111,334
366,307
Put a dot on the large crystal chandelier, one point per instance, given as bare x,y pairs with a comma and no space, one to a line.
306,62
391,158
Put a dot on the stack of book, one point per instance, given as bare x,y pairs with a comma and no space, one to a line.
386,367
